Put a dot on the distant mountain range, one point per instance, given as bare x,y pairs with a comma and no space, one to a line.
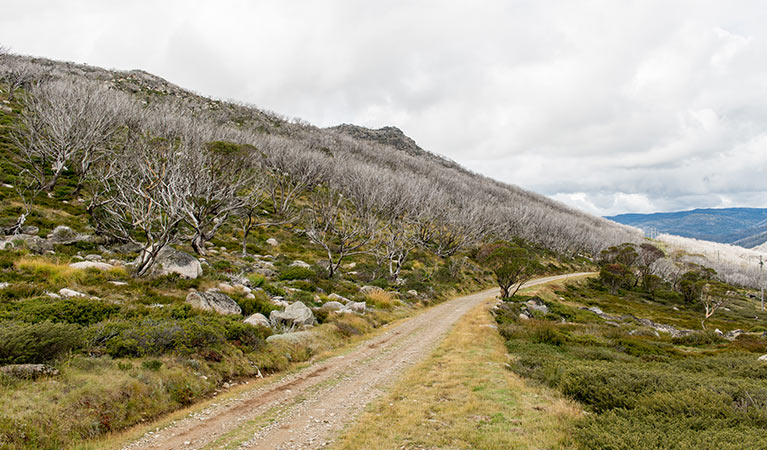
746,227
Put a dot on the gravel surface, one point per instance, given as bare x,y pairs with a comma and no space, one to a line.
308,409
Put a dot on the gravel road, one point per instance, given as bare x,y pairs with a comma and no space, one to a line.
306,410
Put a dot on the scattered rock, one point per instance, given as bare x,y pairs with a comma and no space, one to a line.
62,234
170,260
6,245
295,315
28,371
412,293
118,283
213,301
258,319
129,247
66,292
536,304
53,295
358,307
338,298
596,310
93,257
732,335
332,306
243,288
91,265
273,242
718,332
524,316
299,263
763,358
350,266
4,285
225,287
30,229
250,296
36,243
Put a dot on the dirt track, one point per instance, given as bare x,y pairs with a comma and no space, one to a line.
306,410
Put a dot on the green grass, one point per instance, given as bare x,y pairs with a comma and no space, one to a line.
644,391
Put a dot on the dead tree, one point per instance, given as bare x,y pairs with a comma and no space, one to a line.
66,124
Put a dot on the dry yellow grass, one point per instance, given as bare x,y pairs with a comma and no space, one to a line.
49,271
382,299
464,397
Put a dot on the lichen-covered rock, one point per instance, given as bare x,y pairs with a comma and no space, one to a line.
66,292
91,265
258,319
295,315
338,298
332,306
358,307
213,301
273,242
299,263
170,260
64,235
28,371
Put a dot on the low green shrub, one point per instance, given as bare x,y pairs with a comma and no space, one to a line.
42,342
698,338
259,304
296,273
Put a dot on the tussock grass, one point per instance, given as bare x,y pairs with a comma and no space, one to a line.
463,396
382,299
50,271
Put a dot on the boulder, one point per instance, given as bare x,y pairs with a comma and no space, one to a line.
213,301
30,229
332,306
93,257
66,292
4,245
412,293
170,260
299,263
763,358
91,265
129,247
36,243
4,285
258,319
358,307
28,371
536,304
524,316
273,242
295,315
64,235
732,335
338,298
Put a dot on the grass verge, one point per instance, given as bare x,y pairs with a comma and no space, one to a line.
463,396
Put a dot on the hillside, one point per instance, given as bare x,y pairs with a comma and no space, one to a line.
746,227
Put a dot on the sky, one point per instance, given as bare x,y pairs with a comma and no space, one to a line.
607,106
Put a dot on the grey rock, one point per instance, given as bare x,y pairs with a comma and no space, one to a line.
170,260
213,301
30,229
91,265
258,319
273,242
412,293
358,307
28,371
299,263
5,245
524,316
332,306
129,247
64,235
36,243
295,315
596,310
732,335
93,257
536,304
66,292
338,298
4,285
763,358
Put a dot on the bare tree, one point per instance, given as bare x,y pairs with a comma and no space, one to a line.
220,179
139,192
292,171
17,73
340,226
66,124
712,296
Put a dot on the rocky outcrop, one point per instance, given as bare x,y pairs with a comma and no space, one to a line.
170,260
91,265
295,315
258,319
213,301
64,235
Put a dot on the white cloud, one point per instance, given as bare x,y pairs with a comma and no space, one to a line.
608,106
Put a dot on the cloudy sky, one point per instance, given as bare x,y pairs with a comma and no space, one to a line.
608,106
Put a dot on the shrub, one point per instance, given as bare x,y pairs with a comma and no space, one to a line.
42,342
259,304
698,338
547,333
296,273
256,280
81,311
151,364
